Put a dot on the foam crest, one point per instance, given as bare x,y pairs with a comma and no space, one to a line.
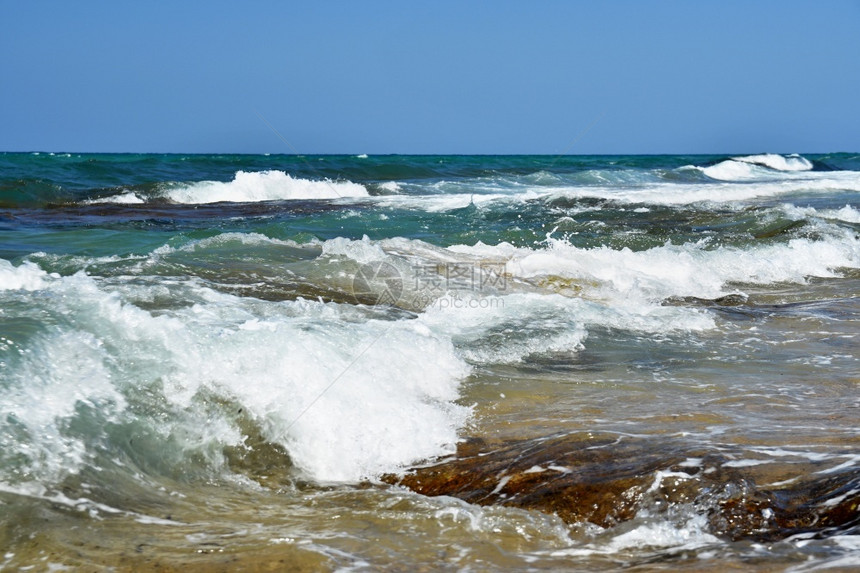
507,329
496,309
752,167
26,276
847,213
38,404
731,189
391,187
250,187
125,198
222,239
363,251
676,270
688,531
60,377
731,170
731,183
348,397
792,162
521,326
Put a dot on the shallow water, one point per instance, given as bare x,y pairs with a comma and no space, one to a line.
215,362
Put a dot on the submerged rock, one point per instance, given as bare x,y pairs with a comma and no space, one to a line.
606,481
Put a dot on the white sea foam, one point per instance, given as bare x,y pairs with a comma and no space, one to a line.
513,327
847,213
503,290
128,198
675,270
484,333
390,186
733,189
263,186
346,396
738,182
347,399
686,532
363,251
58,374
792,162
733,180
616,288
26,276
731,170
125,198
349,396
843,554
752,167
249,239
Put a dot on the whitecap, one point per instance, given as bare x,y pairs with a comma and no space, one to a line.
26,276
125,198
792,162
346,396
752,167
249,187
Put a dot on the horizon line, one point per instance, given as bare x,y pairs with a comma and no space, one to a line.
434,154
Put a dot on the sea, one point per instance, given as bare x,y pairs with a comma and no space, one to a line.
429,363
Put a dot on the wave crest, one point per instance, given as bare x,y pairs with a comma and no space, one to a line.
793,162
256,186
763,166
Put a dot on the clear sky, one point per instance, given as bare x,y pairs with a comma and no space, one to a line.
431,77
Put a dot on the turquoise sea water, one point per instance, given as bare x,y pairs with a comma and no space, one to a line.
210,360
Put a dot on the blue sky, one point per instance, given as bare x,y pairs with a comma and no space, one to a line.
441,77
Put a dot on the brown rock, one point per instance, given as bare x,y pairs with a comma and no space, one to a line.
606,481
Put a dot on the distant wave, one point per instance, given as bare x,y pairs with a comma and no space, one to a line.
246,187
751,167
250,187
792,162
656,193
636,278
125,198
